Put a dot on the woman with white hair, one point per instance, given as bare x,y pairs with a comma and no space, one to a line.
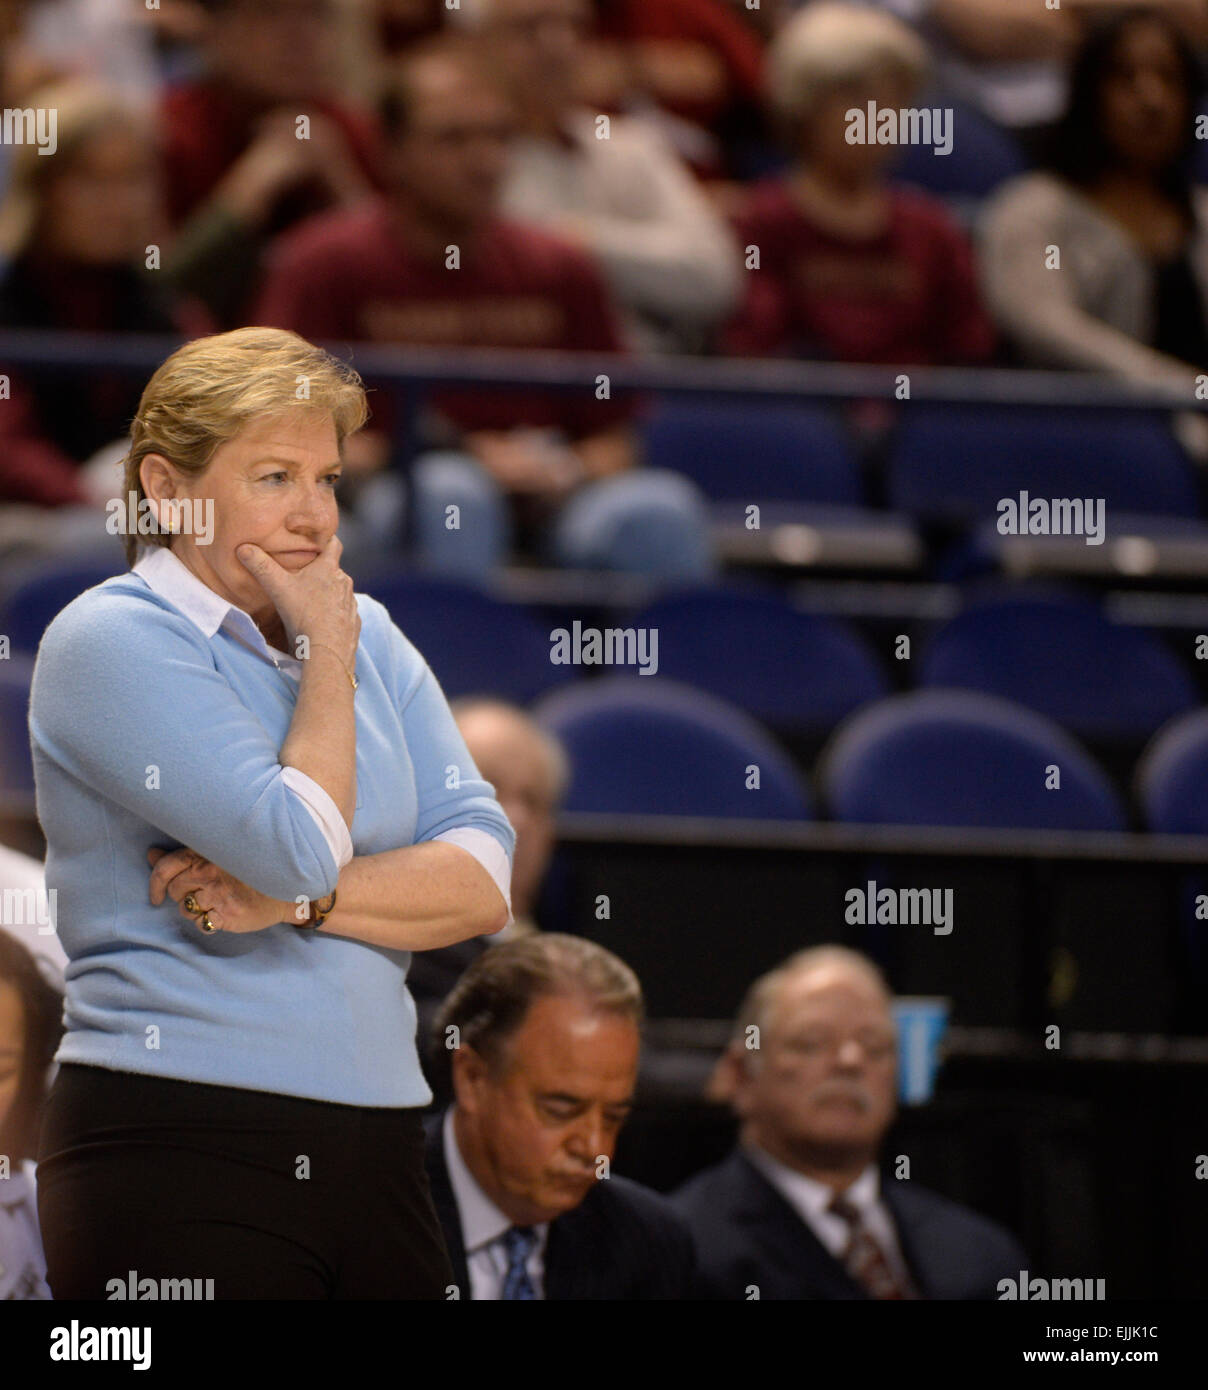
841,262
239,1091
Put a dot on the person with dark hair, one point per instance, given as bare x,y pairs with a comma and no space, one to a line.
543,1035
31,1024
1100,262
75,225
435,264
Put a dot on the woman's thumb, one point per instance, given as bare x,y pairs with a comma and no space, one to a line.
252,558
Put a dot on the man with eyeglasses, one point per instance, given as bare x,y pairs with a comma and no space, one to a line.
800,1209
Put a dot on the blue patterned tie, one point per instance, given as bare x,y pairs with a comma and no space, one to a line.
519,1242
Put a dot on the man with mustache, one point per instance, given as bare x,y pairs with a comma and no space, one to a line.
799,1209
543,1034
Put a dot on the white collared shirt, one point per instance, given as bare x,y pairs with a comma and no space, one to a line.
19,873
168,576
483,1227
810,1200
22,1262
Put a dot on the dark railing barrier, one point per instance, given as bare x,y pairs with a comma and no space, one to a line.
413,368
1092,932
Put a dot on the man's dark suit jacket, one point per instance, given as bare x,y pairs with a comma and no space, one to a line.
622,1241
747,1234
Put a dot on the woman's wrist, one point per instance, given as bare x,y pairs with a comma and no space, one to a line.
416,898
348,665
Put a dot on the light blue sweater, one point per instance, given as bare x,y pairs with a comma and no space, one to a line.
147,731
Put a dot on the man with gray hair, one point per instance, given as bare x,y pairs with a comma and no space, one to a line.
799,1209
542,1034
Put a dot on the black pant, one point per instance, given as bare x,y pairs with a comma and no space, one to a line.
269,1196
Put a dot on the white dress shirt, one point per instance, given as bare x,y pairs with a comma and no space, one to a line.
483,1227
810,1199
168,576
22,874
22,1263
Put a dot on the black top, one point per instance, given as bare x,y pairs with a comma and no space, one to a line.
1179,327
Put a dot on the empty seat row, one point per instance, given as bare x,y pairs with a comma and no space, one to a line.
949,758
931,757
1050,650
945,463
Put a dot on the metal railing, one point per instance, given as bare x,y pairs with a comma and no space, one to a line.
415,369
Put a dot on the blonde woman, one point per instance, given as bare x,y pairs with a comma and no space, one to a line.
256,804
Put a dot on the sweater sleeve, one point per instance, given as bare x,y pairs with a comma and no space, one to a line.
127,699
1039,308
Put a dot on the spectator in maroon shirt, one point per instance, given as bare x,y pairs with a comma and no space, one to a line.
78,227
841,263
257,143
435,265
697,58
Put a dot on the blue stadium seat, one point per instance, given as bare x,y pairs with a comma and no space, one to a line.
1059,656
43,590
475,644
983,155
1172,775
16,760
756,452
790,669
956,463
641,746
956,758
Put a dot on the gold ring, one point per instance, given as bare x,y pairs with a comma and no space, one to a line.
191,904
206,924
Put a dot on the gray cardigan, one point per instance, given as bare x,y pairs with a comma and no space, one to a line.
1096,312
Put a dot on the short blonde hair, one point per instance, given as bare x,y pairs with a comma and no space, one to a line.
210,389
826,44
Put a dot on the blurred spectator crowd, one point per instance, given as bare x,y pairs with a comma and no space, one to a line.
670,176
659,179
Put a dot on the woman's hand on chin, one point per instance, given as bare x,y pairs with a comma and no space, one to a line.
231,905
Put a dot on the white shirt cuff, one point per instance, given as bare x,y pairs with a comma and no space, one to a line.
325,812
489,853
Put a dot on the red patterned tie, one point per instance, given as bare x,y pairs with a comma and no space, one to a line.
864,1259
